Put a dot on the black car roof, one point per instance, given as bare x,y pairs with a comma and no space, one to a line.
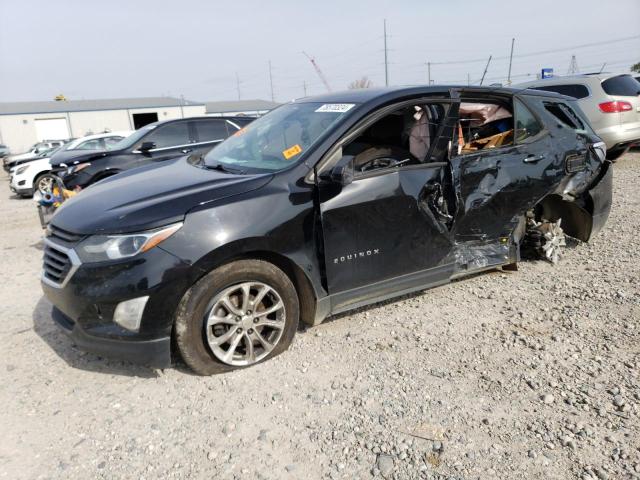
364,95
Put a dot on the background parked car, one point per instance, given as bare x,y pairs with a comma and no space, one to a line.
4,151
33,174
98,142
152,143
35,151
610,101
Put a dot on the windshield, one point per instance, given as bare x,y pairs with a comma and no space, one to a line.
277,140
132,139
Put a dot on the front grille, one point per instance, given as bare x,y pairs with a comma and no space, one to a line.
64,235
57,264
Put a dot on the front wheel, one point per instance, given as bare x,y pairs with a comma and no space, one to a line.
238,315
44,183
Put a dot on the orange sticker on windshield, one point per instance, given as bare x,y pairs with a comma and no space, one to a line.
292,152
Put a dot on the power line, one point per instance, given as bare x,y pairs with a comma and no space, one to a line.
543,52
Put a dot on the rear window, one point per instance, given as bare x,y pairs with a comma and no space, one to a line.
622,85
575,91
566,115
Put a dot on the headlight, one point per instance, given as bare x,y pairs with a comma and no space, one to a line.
77,168
100,248
21,170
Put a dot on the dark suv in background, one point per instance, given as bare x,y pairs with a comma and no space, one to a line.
152,143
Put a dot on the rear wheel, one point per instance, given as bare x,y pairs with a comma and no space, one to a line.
238,315
544,239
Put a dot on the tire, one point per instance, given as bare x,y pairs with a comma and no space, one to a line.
198,340
613,155
43,177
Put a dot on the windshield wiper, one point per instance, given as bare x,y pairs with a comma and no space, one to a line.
223,168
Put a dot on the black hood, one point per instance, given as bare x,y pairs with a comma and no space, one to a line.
149,197
69,157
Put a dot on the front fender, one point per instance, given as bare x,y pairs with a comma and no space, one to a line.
276,218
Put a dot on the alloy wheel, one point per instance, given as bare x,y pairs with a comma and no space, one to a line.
45,184
245,323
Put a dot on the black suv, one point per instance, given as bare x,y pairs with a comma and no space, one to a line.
150,144
323,205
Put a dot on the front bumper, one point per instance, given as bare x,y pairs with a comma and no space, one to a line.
85,302
154,353
19,185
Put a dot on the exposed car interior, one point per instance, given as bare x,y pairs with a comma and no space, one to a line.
402,137
483,125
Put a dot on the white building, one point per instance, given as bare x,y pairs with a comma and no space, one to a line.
249,108
24,123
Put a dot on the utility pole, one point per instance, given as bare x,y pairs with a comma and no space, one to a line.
485,69
429,73
510,60
182,106
386,59
468,79
573,66
238,84
271,81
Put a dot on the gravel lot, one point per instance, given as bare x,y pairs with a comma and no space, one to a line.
528,374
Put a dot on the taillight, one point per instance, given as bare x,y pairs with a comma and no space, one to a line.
615,107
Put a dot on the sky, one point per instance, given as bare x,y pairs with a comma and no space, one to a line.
220,50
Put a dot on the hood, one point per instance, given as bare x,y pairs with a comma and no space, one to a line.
149,197
23,156
17,163
70,157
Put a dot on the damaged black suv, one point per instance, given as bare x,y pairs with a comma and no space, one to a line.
323,205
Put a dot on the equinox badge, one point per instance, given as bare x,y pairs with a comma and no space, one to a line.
356,255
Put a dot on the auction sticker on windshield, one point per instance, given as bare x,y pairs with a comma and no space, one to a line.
336,107
292,152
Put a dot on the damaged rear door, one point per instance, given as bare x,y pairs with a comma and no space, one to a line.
387,231
495,186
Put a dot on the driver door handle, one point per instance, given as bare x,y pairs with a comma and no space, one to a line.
186,150
533,158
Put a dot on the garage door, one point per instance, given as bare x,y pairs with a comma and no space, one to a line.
52,129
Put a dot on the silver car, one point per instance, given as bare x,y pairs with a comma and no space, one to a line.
610,101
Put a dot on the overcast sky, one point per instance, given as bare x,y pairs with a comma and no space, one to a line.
123,48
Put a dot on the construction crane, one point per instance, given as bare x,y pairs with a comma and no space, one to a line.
318,71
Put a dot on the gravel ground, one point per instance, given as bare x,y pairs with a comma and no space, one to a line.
528,374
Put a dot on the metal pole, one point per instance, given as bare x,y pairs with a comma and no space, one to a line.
238,84
468,79
510,60
386,63
485,69
182,106
271,81
429,72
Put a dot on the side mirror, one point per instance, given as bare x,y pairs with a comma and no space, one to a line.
146,146
341,173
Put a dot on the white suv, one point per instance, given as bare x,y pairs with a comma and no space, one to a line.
611,102
33,175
